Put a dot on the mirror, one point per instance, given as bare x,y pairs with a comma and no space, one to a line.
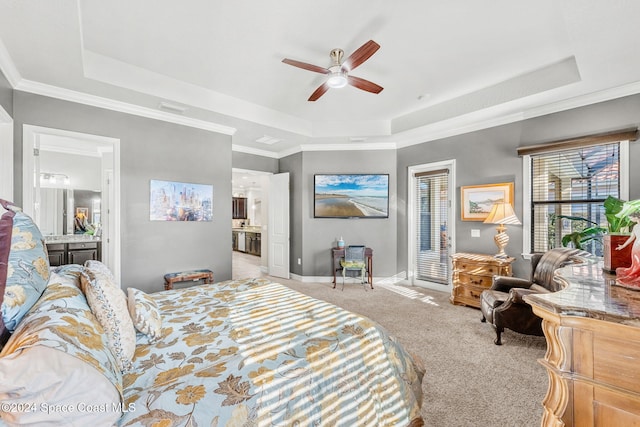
70,184
68,211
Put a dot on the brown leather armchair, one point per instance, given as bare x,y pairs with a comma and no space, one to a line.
502,304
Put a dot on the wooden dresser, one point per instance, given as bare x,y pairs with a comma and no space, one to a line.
473,273
592,329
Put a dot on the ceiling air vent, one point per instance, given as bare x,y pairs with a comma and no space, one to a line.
174,108
268,140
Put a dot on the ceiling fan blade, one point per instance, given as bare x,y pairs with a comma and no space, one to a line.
319,92
364,84
361,54
305,66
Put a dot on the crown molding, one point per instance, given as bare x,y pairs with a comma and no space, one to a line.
255,151
455,126
7,66
471,122
122,107
350,146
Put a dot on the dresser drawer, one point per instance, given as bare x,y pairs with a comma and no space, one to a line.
467,295
83,245
464,278
480,269
51,247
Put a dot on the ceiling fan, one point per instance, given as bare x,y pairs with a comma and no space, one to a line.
338,72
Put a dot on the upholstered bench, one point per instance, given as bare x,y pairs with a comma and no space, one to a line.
187,276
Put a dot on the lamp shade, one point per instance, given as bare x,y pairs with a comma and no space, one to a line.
502,213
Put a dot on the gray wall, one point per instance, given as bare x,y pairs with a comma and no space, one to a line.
6,95
489,156
253,162
160,150
149,149
319,235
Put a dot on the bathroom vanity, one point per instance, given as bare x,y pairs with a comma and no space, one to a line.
73,249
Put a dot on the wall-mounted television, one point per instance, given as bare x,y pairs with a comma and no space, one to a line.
351,196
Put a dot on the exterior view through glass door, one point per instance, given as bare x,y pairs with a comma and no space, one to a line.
431,225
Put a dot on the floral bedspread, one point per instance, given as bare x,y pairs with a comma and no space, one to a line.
255,353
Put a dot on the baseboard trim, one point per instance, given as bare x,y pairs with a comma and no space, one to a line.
311,279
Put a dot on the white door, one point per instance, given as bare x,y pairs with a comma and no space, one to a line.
279,225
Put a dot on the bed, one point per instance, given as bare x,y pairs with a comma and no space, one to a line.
235,353
77,350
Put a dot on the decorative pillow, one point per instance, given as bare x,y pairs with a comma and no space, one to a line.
57,363
100,267
145,313
24,265
109,304
55,389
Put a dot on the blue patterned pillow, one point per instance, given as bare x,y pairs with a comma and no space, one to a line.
24,265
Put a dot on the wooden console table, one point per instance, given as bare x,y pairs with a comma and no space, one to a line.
592,328
473,273
338,254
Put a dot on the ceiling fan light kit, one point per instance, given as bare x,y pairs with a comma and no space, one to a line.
338,72
337,79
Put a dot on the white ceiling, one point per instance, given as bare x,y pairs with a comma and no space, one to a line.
447,67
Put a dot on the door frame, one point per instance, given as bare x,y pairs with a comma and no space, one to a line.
6,155
265,248
111,236
411,220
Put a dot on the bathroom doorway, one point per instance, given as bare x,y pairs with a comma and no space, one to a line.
249,223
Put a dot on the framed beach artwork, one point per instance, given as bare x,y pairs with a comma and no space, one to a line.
180,201
476,200
351,196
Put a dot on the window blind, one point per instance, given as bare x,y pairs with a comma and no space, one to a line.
432,208
571,183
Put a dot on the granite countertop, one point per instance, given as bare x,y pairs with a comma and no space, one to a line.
72,238
590,292
250,229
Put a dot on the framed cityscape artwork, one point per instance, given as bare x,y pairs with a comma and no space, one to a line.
180,201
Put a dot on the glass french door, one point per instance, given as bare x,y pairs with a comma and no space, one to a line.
431,228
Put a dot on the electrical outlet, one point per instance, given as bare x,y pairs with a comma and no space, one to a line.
475,232
299,261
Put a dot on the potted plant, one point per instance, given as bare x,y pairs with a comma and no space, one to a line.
619,227
616,233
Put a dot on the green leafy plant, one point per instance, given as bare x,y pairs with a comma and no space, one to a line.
591,231
615,211
626,209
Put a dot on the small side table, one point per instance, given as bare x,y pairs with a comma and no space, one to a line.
187,276
337,253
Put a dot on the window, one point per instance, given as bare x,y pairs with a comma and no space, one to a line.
569,184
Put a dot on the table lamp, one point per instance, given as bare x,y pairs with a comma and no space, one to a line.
501,214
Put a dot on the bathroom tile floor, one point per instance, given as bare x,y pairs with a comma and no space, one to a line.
245,265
